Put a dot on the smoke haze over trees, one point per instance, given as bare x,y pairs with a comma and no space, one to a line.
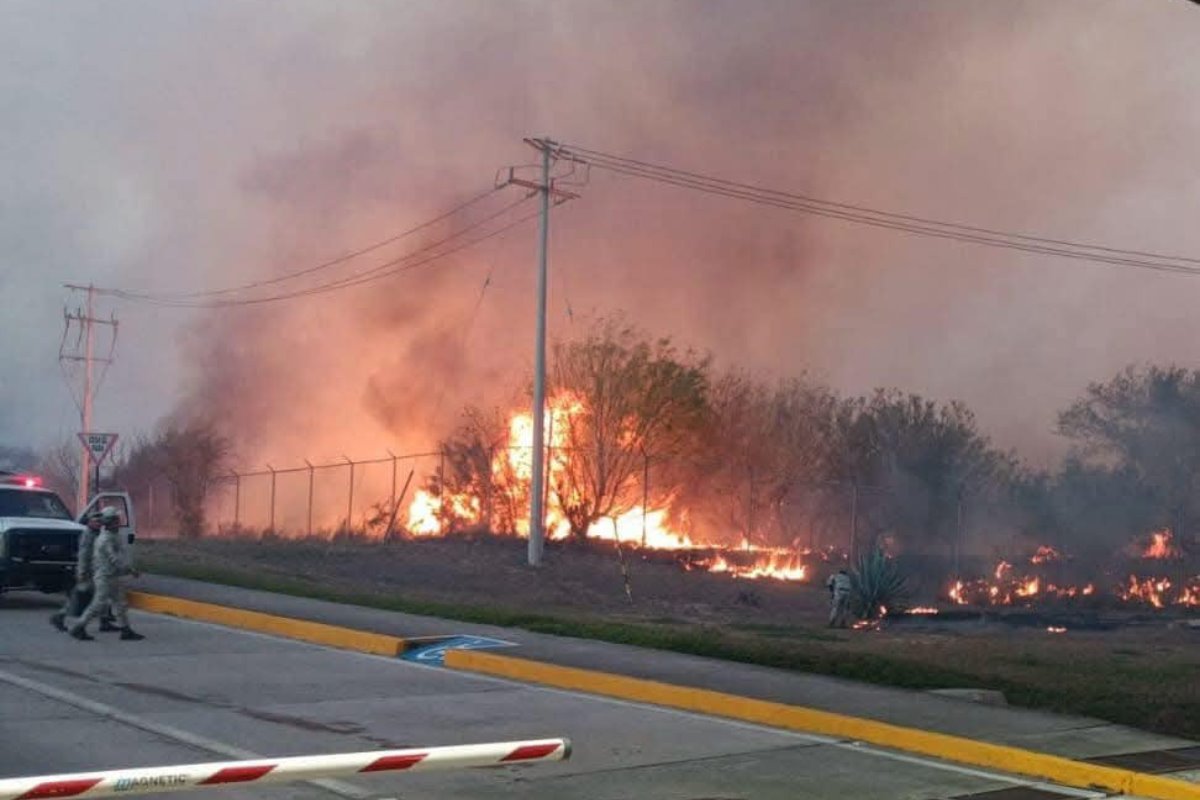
135,158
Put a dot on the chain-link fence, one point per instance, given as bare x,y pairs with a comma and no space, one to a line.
440,492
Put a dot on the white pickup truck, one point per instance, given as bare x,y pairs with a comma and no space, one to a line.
39,537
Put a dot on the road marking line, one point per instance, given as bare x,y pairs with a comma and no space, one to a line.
808,738
316,632
339,788
1040,766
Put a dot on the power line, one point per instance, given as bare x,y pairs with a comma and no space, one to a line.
342,259
882,219
386,269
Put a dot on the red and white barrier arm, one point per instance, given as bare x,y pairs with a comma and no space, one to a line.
186,777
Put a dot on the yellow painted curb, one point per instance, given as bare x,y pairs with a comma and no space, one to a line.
315,632
939,745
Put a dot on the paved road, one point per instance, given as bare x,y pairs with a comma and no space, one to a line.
1058,734
196,692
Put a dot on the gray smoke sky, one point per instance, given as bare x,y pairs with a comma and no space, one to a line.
192,145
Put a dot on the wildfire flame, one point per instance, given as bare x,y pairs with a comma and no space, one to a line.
1044,554
648,528
871,624
1147,590
1008,588
1161,546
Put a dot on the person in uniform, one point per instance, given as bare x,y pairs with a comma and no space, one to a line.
839,598
111,569
83,572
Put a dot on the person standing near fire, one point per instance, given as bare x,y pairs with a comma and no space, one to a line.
83,572
111,568
839,598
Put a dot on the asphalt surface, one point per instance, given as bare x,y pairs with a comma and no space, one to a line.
195,692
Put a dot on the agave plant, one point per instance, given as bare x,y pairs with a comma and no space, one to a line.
877,585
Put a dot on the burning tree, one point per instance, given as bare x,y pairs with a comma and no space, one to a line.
1088,509
1146,422
634,400
480,464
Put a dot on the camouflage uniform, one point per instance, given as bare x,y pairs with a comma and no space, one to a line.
839,599
110,572
83,572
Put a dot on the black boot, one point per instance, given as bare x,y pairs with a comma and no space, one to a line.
129,635
107,626
57,621
81,634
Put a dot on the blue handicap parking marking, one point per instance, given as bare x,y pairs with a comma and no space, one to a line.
434,653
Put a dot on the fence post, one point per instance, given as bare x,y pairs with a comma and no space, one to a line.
350,500
546,482
853,520
750,506
387,536
392,506
311,473
645,492
271,523
237,499
487,489
441,490
958,530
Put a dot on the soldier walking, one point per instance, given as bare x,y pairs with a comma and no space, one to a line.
83,572
111,568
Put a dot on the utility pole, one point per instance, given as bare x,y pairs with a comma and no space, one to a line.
86,319
537,513
545,188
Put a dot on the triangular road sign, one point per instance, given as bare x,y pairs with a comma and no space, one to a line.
98,445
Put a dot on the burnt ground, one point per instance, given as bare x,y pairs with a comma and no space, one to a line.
574,579
1128,665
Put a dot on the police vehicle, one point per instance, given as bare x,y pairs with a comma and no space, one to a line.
39,536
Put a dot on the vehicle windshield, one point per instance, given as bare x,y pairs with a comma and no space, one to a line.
22,503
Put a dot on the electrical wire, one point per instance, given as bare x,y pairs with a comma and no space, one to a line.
386,269
342,259
882,219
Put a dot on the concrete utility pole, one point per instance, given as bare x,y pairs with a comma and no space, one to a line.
537,513
545,188
86,320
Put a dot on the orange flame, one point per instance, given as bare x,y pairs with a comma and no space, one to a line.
1029,588
1147,590
1044,554
1161,546
512,469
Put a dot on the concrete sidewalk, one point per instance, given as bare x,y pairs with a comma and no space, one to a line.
1055,734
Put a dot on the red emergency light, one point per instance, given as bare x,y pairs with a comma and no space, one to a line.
28,481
